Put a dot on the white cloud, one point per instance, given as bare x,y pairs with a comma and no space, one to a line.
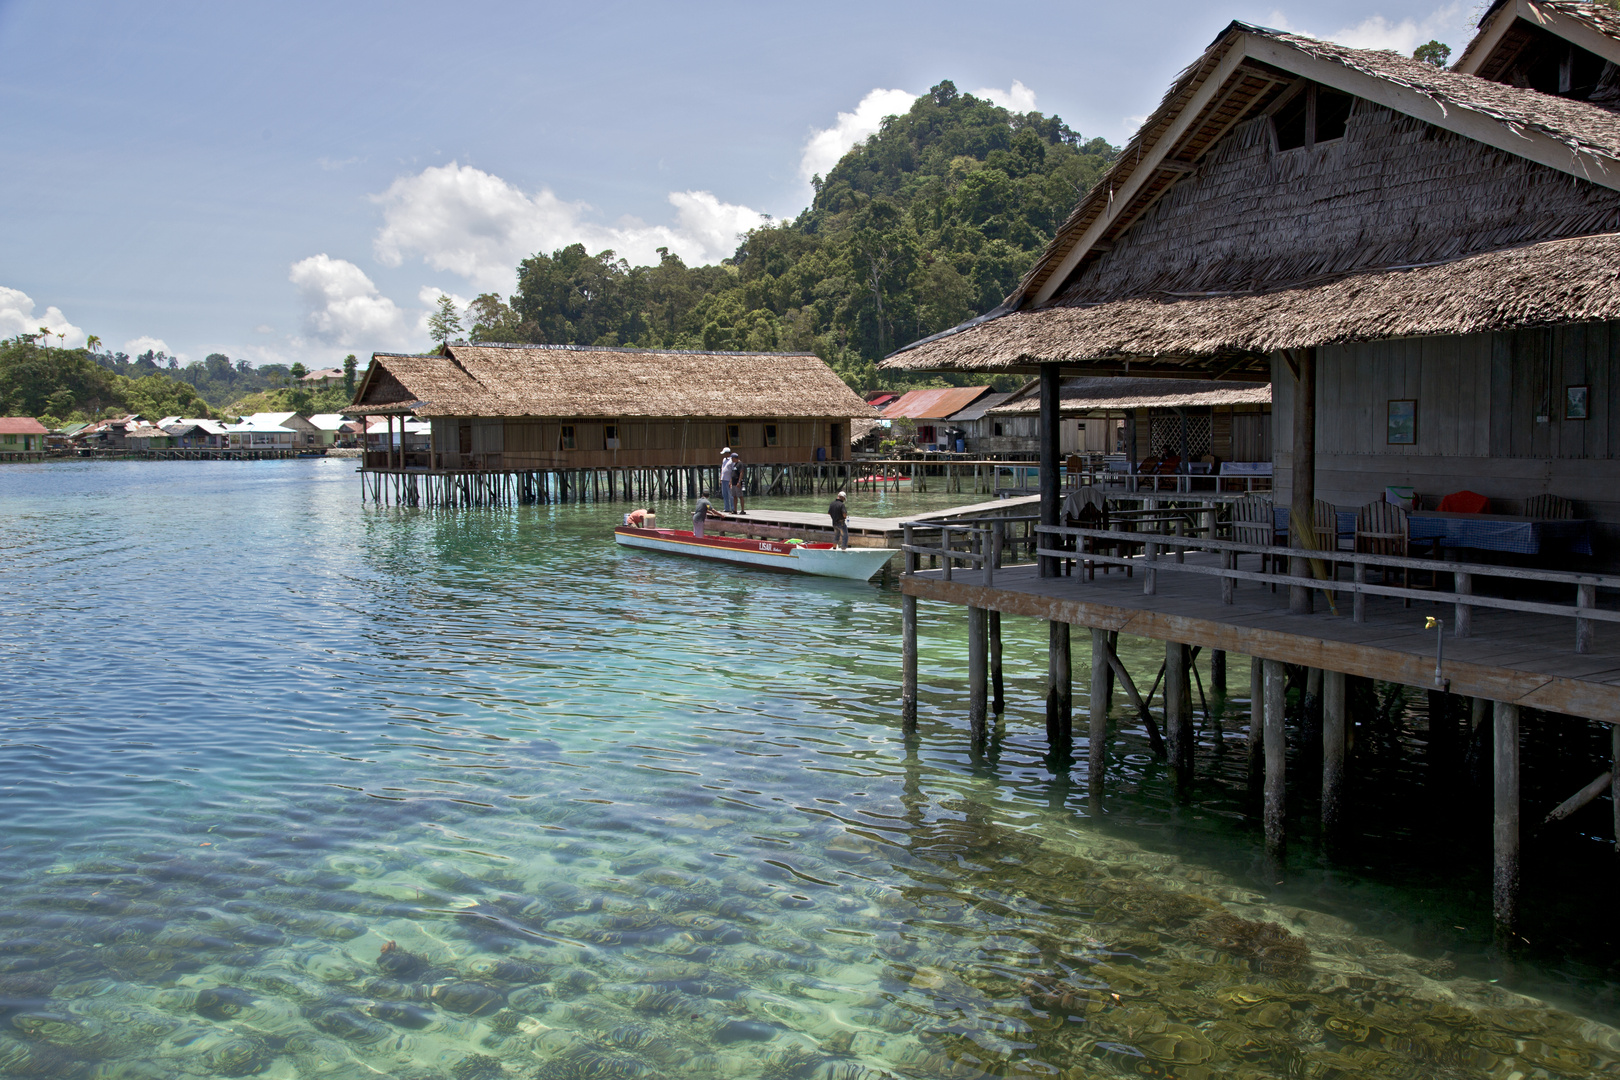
1402,35
1020,99
463,220
342,307
823,149
17,317
144,344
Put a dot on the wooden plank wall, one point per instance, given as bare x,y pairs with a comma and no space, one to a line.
526,443
1479,399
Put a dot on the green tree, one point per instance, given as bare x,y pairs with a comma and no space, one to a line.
297,372
444,323
1432,52
349,366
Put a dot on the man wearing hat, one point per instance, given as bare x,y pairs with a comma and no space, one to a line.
840,519
728,469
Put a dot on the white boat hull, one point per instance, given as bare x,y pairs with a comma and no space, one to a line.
818,560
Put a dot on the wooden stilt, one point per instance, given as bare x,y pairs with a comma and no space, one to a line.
1059,688
1276,750
1102,680
1217,673
1178,709
1333,750
908,647
1126,684
1302,475
978,656
1257,714
998,701
1614,779
1505,879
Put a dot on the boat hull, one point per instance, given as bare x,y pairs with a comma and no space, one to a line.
815,560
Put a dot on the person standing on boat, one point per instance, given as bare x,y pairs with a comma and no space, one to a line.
728,469
702,512
739,503
840,519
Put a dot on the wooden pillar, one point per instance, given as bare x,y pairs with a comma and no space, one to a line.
1217,672
977,670
1302,475
908,646
1334,742
1059,688
1505,878
1257,715
1614,779
1276,749
1051,497
1178,710
1102,685
998,701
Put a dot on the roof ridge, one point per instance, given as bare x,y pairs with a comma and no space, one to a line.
603,348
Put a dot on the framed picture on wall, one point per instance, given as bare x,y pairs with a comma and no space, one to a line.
1575,398
1402,430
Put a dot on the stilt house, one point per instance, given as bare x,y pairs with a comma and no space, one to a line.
1140,417
1425,265
1428,254
550,407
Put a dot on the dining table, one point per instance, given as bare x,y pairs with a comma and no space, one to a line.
1479,532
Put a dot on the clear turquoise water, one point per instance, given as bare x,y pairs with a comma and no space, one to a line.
297,787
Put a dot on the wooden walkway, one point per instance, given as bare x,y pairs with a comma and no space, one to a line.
1524,659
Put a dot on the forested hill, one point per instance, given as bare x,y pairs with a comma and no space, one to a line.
929,222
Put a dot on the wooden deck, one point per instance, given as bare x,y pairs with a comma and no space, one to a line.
1524,659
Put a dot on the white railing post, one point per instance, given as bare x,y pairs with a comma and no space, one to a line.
1585,597
1463,623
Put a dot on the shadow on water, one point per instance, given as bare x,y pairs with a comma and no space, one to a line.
298,787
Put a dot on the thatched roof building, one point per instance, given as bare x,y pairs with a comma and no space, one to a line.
1290,192
569,406
1103,394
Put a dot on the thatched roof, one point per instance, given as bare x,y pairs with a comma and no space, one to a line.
1106,393
580,381
1205,242
1508,27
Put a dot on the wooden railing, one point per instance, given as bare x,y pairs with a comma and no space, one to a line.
979,546
1155,548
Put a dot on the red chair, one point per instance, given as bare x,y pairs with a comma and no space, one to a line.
1465,502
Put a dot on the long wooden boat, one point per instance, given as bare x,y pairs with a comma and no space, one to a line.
821,560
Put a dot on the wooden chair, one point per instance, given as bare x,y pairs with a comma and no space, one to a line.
1549,508
1087,508
1165,474
1382,528
1253,522
1148,466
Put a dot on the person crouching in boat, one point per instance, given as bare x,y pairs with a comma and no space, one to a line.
639,519
839,513
704,511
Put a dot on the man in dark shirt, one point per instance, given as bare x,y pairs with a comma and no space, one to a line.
704,510
840,519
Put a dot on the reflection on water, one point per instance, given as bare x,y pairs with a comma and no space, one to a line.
296,788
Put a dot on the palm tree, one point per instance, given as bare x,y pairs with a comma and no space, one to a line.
92,343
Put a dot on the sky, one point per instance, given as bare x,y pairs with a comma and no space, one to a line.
295,181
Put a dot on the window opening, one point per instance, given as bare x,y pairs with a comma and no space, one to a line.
733,434
610,436
567,440
1314,115
770,434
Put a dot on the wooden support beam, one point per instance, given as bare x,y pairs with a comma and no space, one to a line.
1302,476
908,646
1102,683
1614,773
1591,791
978,665
1334,744
1505,878
1059,688
998,701
1051,449
1178,709
1217,673
1257,716
1276,692
1125,684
